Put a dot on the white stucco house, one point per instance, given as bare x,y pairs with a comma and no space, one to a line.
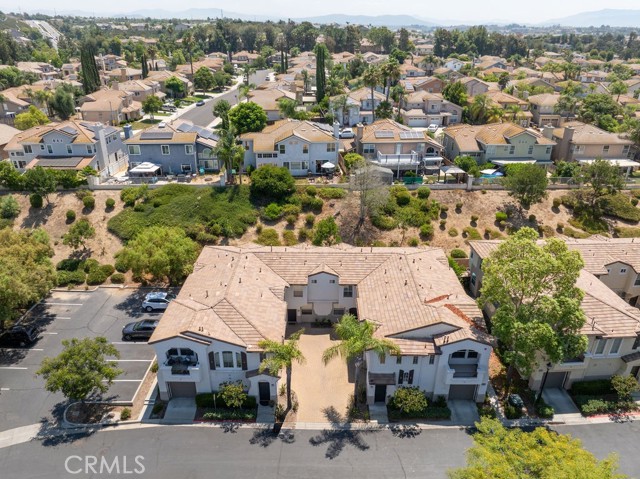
238,296
300,146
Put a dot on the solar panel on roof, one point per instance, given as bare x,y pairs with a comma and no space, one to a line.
70,130
156,135
384,134
411,135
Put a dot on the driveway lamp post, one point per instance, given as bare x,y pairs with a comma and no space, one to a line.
544,380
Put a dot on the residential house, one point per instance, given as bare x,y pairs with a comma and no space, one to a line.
524,72
237,297
543,109
13,102
366,46
212,63
488,62
407,70
179,147
124,74
582,142
6,134
475,86
69,145
71,70
497,143
454,64
141,89
110,62
269,101
162,76
342,57
508,103
612,327
389,144
300,146
359,107
633,85
110,106
43,70
428,84
243,57
422,109
374,58
534,84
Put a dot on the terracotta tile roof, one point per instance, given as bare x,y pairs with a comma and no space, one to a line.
364,93
265,140
586,134
544,99
268,99
468,136
395,128
84,133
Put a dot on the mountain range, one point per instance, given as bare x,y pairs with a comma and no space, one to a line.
611,17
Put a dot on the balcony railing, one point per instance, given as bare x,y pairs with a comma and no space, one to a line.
464,370
181,366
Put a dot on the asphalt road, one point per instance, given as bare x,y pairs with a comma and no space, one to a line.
66,315
208,452
203,115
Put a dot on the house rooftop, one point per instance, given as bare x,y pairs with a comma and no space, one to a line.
585,134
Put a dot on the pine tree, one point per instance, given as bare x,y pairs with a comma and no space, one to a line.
90,75
321,54
145,66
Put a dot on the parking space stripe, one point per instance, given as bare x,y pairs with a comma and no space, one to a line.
5,389
132,360
20,349
129,342
11,367
127,380
64,304
48,333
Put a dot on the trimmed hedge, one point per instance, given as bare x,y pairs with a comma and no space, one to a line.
430,412
35,200
117,278
227,414
423,192
70,277
598,387
458,253
332,193
69,264
205,400
89,202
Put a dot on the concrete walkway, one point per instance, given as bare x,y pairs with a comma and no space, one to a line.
463,412
378,413
323,391
266,415
180,411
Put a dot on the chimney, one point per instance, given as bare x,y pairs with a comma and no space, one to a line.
565,144
123,73
359,132
101,148
525,94
336,130
127,131
547,131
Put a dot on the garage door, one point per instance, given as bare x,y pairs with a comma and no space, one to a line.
182,390
462,391
555,380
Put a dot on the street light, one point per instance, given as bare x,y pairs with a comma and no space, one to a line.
544,380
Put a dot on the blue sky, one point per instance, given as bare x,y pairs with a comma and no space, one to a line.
465,10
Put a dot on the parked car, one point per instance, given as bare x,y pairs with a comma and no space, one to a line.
347,133
157,301
139,330
20,336
170,108
432,128
200,103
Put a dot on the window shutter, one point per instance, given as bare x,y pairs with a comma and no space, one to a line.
244,361
400,376
411,377
212,362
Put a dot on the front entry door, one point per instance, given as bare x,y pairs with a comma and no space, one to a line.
381,393
291,316
264,391
634,372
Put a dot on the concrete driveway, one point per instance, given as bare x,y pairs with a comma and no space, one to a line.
180,411
320,388
463,412
560,400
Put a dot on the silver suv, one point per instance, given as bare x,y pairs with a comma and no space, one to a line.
157,301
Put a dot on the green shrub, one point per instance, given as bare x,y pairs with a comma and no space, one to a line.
472,233
90,264
326,232
71,216
259,228
384,222
311,203
311,190
270,181
268,237
310,219
458,205
560,226
125,414
70,277
623,232
512,412
291,219
543,410
409,400
619,206
453,232
443,224
532,218
99,275
89,202
290,209
117,278
413,242
474,218
272,212
35,200
426,231
108,268
206,401
484,192
492,234
403,198
303,234
570,232
332,193
592,406
110,203
139,208
557,202
458,253
157,408
120,266
423,192
444,209
130,195
501,216
9,207
487,410
378,244
69,264
596,387
289,238
634,201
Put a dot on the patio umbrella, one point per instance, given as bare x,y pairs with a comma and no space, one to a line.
328,165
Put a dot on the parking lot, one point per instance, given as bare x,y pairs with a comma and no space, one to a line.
66,315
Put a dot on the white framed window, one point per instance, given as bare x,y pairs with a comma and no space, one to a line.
625,150
637,281
227,359
398,359
282,149
27,149
314,281
188,149
331,147
134,149
306,311
165,149
305,149
432,358
615,346
605,149
338,311
186,168
347,291
298,293
382,358
69,149
90,149
530,150
368,148
512,149
332,281
415,359
600,345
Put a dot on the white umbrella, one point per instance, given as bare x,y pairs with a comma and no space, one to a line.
328,165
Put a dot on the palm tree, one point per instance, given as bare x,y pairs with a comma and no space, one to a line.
281,356
243,90
479,108
371,78
229,151
566,102
390,71
356,338
43,97
339,103
187,43
247,71
305,79
221,110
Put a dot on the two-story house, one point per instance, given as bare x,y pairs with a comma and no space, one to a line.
110,106
163,75
124,74
612,327
515,109
141,89
300,146
239,296
69,145
179,147
359,106
543,109
269,100
420,109
428,84
582,142
389,144
475,86
498,143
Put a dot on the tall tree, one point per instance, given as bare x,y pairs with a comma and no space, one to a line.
247,117
188,44
203,79
152,105
538,301
281,356
26,272
356,338
41,181
221,110
501,453
78,234
371,79
229,152
145,66
175,86
89,74
527,183
63,103
322,54
390,73
81,369
372,191
603,178
456,93
30,118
